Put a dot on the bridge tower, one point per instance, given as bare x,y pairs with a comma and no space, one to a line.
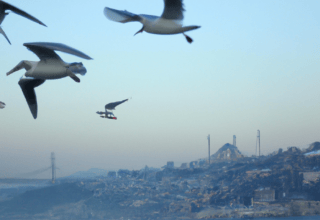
258,142
53,167
209,148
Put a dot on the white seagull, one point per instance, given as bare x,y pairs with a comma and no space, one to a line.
170,21
5,6
50,66
2,105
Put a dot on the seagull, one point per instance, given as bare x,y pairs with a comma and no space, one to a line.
110,106
4,7
170,21
2,105
50,66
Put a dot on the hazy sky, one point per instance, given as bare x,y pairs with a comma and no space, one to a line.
252,65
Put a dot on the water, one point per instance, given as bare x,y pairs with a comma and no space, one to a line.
287,218
294,218
13,187
16,183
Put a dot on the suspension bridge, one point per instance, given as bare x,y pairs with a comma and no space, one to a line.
43,170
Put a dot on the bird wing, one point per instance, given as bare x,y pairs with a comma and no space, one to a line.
42,52
27,87
6,6
46,50
112,105
120,16
4,34
173,9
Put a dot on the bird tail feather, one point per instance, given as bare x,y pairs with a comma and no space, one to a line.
190,28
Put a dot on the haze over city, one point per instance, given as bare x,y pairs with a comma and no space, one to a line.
252,65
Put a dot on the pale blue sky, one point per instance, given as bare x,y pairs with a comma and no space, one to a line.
253,65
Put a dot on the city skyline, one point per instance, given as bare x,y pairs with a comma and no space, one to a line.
252,65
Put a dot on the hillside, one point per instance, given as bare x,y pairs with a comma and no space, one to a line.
284,183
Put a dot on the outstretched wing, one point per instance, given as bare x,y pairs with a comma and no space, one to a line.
112,105
5,6
4,34
173,9
46,50
120,16
42,52
27,87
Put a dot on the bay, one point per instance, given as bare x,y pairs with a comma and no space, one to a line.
317,217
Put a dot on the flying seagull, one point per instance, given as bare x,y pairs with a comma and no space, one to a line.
110,106
50,66
4,7
2,105
170,21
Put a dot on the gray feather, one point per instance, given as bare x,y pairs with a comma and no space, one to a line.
120,16
6,6
44,50
173,9
112,105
